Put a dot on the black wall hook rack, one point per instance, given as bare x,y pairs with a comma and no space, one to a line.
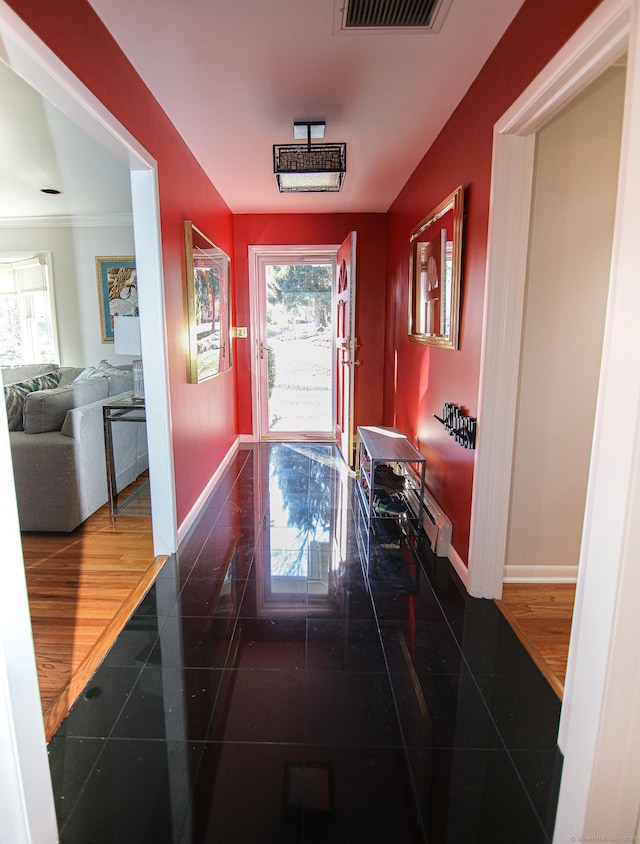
462,428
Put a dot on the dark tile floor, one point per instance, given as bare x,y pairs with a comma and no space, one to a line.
291,678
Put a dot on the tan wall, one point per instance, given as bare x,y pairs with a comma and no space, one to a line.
571,234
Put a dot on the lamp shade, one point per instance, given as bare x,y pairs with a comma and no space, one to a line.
309,168
126,335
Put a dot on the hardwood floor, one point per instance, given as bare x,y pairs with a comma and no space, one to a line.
82,589
541,616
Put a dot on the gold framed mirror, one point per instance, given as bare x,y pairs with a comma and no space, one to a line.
435,272
209,306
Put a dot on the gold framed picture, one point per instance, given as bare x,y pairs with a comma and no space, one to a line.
209,306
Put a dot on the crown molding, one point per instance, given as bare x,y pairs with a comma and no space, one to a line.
67,221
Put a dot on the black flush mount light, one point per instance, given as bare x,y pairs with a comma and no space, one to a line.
310,167
51,191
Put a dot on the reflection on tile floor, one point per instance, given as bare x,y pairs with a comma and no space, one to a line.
275,686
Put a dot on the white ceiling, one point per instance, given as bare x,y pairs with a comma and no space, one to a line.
41,148
233,75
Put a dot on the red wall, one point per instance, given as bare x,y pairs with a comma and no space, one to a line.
418,379
315,229
204,416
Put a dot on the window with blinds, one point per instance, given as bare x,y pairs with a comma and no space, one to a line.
27,333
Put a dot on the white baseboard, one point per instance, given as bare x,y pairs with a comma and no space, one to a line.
246,438
461,570
193,514
519,574
540,574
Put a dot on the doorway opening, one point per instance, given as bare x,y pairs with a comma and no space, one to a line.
294,369
299,354
560,361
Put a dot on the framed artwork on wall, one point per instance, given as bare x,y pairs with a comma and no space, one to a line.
435,267
117,291
208,304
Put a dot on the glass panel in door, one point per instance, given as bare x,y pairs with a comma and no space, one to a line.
346,347
299,349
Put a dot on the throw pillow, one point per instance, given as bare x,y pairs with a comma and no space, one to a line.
104,368
89,372
14,395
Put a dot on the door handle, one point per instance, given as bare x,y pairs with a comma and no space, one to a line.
350,362
348,343
263,349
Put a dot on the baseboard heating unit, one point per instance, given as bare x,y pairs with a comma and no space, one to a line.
436,523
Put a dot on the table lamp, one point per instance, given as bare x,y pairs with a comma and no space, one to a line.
126,341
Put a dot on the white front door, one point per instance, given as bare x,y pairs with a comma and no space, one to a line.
294,343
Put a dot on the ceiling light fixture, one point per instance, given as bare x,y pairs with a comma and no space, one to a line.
309,168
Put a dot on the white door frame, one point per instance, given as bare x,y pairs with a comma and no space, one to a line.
600,728
29,814
148,249
258,256
33,60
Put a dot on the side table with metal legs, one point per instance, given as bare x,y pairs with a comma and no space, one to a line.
120,410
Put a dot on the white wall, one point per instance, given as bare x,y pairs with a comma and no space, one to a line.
74,249
570,252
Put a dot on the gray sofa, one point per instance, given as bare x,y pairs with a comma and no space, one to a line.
59,456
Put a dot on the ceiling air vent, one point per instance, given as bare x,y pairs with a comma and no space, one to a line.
396,15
